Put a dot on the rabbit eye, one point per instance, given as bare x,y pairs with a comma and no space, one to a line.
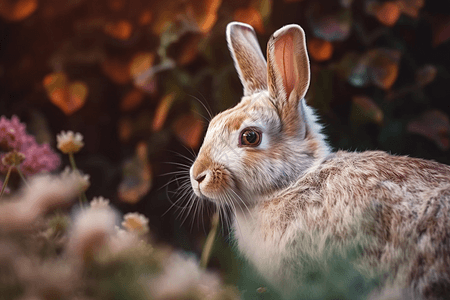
250,137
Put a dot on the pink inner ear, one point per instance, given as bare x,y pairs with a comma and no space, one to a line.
284,59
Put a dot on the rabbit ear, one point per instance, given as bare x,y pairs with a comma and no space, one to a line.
288,71
248,58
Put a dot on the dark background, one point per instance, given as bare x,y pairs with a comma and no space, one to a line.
380,80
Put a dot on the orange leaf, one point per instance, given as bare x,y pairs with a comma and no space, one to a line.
14,11
131,100
137,176
116,70
55,81
364,109
120,30
69,97
207,22
384,67
426,75
125,129
78,92
378,66
250,16
319,49
116,5
145,18
189,129
329,24
441,30
387,13
162,21
162,110
141,71
141,63
263,6
434,125
410,7
386,77
189,50
205,13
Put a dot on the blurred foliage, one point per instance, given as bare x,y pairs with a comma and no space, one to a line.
84,254
139,79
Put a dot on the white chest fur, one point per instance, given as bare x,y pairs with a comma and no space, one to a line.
270,252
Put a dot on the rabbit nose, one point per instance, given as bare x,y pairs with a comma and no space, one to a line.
200,178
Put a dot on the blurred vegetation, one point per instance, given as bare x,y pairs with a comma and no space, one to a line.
137,79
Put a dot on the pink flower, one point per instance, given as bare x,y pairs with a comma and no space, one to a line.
38,158
12,134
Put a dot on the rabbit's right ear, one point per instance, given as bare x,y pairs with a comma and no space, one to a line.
288,75
248,58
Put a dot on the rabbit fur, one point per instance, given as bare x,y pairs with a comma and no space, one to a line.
291,195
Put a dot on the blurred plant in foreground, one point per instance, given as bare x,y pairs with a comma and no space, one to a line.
51,249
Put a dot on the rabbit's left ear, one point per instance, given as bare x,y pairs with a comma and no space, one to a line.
288,73
248,58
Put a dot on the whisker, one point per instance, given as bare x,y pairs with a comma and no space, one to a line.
171,181
174,204
228,219
233,209
191,204
178,164
190,150
200,115
195,213
202,207
181,192
224,216
242,201
184,156
182,172
209,110
204,106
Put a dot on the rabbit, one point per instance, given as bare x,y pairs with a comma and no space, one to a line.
291,195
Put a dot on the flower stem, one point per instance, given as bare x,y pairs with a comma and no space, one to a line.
82,198
6,181
72,161
207,248
22,176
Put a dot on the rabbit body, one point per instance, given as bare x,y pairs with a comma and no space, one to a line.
294,199
406,199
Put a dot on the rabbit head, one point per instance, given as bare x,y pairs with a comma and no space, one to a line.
271,137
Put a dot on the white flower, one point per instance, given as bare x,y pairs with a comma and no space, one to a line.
69,142
181,275
123,241
99,203
135,222
92,230
75,175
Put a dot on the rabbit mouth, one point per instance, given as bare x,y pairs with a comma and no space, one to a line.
205,192
219,192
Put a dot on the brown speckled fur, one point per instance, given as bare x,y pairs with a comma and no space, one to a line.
410,201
